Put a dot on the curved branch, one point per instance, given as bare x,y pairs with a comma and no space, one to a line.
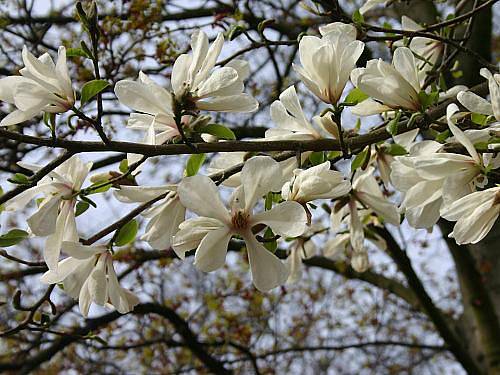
26,365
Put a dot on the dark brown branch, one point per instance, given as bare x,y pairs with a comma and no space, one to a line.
27,365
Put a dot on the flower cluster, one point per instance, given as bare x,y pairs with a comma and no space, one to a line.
270,202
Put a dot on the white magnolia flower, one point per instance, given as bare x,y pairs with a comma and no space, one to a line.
154,106
427,50
55,216
462,172
42,87
88,275
301,248
477,104
341,245
384,160
197,85
369,4
366,199
291,123
318,182
430,180
328,61
475,214
422,198
226,160
211,231
367,191
165,216
393,86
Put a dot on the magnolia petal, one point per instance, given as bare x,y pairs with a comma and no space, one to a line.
211,252
288,219
459,134
8,87
259,176
200,195
129,194
356,228
369,107
122,300
336,246
235,103
473,228
162,228
191,232
268,271
64,269
43,222
404,62
475,103
382,207
97,282
65,229
218,80
78,251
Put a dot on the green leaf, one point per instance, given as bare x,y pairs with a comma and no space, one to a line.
91,89
357,17
441,137
127,233
12,237
360,159
427,100
81,207
355,96
392,126
395,150
269,201
123,166
101,189
219,131
194,164
77,52
479,119
88,200
20,179
317,157
333,155
270,245
86,48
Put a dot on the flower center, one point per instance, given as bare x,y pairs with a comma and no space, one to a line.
239,220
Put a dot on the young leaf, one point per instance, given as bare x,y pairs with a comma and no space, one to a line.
12,237
441,137
81,207
194,164
392,126
270,245
91,89
77,52
357,17
317,157
479,119
219,131
19,178
395,150
127,233
360,158
123,166
355,96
